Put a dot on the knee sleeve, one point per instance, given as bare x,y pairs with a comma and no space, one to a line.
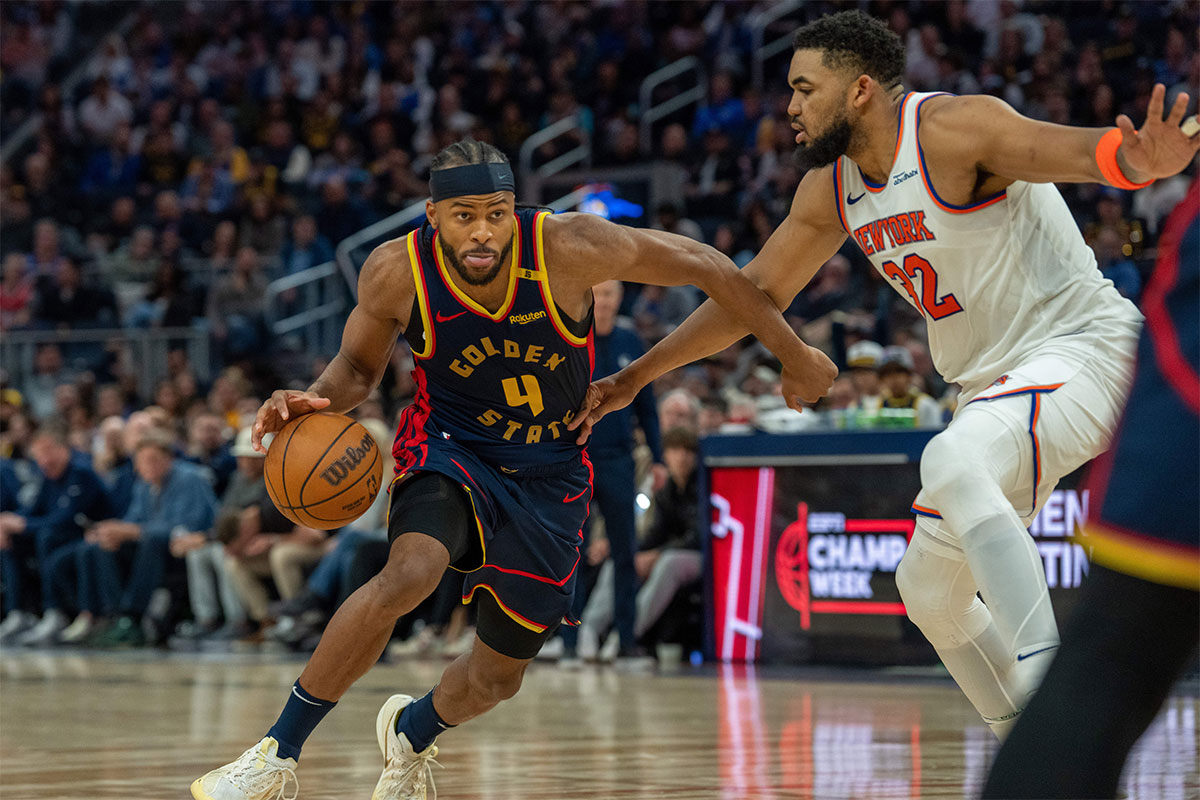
972,471
938,591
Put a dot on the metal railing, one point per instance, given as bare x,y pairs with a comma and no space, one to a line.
653,113
311,304
371,236
531,177
760,49
83,349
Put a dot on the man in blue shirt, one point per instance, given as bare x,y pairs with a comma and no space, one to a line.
611,452
170,497
46,530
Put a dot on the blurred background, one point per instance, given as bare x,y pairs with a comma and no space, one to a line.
188,190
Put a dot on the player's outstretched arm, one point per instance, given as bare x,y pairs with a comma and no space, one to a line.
385,286
987,132
809,236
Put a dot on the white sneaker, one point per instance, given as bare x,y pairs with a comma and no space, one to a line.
405,771
79,630
612,646
16,622
588,644
421,643
259,774
45,632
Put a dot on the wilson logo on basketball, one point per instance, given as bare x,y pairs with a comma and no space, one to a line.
336,472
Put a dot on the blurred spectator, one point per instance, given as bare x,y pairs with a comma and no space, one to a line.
44,532
1115,264
678,409
66,301
264,228
1110,214
16,293
307,248
207,448
899,393
236,304
340,214
49,372
113,170
126,560
103,110
862,360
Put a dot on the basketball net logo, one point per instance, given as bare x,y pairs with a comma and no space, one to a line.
336,472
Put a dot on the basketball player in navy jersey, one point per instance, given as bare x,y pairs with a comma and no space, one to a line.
952,199
496,304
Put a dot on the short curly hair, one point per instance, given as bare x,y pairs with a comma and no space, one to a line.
856,41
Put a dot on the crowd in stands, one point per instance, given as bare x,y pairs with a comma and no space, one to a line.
212,147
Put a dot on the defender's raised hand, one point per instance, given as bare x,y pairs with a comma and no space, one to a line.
1161,148
281,406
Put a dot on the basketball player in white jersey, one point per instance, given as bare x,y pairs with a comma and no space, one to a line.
952,200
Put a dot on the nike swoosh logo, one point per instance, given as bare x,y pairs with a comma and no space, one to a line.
575,497
438,316
852,200
1022,657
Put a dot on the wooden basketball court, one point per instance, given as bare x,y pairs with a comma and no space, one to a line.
144,725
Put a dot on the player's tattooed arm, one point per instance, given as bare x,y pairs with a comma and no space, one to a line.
988,133
385,292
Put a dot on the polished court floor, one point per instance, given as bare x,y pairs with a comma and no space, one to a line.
143,725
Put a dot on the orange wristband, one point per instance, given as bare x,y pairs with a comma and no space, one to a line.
1106,159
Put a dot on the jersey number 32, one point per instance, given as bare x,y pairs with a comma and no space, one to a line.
927,300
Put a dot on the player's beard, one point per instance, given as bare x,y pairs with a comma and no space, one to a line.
826,148
449,254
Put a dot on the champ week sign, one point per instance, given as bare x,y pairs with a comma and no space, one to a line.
805,556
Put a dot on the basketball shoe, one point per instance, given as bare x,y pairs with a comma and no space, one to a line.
405,771
259,774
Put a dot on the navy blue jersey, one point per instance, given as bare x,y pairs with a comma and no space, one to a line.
503,384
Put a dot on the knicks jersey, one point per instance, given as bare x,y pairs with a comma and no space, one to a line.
503,384
994,280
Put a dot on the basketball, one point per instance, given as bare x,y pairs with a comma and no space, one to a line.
323,470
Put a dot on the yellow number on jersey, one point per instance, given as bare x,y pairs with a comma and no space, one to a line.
532,394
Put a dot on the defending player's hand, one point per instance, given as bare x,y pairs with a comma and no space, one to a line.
1161,148
281,406
605,395
809,383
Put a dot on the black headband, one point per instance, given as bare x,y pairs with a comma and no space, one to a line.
471,179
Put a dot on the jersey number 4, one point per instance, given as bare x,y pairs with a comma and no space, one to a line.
927,302
526,392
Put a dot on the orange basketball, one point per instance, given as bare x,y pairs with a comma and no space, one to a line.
323,470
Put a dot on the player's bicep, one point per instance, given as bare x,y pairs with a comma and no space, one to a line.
385,295
1003,142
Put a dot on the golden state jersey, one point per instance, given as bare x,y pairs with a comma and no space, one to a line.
994,280
503,384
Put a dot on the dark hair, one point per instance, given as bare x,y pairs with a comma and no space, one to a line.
680,437
853,40
467,151
54,429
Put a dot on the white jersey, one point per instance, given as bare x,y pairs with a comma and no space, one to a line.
995,279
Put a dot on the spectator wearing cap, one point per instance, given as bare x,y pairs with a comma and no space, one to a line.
670,556
43,531
126,560
211,590
896,377
611,450
862,360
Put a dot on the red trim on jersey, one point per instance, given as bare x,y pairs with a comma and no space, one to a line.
548,296
1174,366
531,576
468,475
924,170
410,435
470,303
428,316
523,621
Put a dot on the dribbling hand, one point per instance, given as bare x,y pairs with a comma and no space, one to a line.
282,406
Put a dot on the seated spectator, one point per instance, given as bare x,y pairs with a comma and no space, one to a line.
207,448
126,560
1115,264
307,247
723,111
862,360
267,544
211,589
669,557
896,380
16,293
236,305
66,301
103,110
678,409
112,171
43,532
340,214
49,372
264,228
